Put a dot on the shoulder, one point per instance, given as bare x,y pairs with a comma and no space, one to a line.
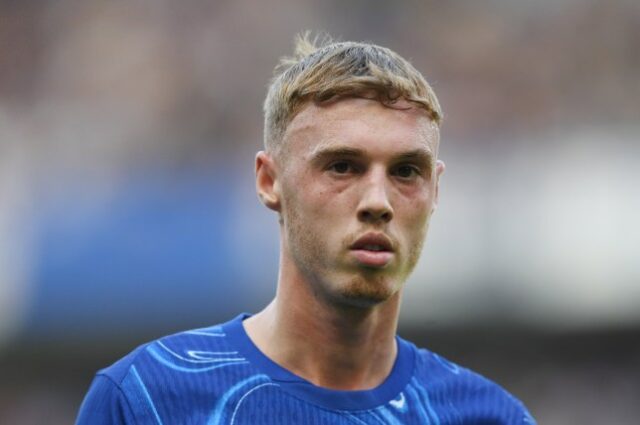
468,394
200,363
195,350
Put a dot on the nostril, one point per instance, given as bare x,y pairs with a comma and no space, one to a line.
371,215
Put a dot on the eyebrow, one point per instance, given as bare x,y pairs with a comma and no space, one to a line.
330,152
419,155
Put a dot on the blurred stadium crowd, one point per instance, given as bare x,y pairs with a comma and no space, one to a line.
127,135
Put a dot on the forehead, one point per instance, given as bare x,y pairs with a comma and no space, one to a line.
362,123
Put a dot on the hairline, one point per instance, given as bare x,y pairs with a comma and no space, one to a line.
278,150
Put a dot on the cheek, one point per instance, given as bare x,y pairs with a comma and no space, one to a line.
324,200
413,219
416,223
309,206
417,207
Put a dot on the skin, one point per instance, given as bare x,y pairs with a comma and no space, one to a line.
349,168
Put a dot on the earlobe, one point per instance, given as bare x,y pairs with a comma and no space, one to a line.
266,181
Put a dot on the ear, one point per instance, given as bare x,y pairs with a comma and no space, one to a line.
267,185
440,167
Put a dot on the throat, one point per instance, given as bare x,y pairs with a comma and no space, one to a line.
343,352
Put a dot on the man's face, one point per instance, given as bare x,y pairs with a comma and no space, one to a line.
358,183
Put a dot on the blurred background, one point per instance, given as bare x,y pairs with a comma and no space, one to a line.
127,206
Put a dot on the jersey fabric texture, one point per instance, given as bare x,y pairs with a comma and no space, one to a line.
217,376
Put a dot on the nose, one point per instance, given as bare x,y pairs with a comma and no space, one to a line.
374,206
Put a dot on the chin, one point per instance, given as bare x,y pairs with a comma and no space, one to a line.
366,293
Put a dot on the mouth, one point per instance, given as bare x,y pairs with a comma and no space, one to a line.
373,250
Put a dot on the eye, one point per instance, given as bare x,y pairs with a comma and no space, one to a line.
341,167
406,171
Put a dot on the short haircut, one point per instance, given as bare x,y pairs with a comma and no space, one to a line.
324,70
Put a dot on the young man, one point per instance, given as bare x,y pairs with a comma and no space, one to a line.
351,168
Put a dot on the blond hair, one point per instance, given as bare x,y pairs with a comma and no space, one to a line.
321,70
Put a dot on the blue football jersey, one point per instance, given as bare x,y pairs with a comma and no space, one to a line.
217,376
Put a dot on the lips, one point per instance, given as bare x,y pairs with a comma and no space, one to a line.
373,250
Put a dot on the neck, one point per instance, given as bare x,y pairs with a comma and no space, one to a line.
332,346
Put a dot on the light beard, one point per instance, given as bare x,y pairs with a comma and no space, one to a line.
339,283
366,290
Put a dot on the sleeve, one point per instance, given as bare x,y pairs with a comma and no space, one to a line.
527,419
105,404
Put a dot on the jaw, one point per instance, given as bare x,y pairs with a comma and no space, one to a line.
343,283
359,287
